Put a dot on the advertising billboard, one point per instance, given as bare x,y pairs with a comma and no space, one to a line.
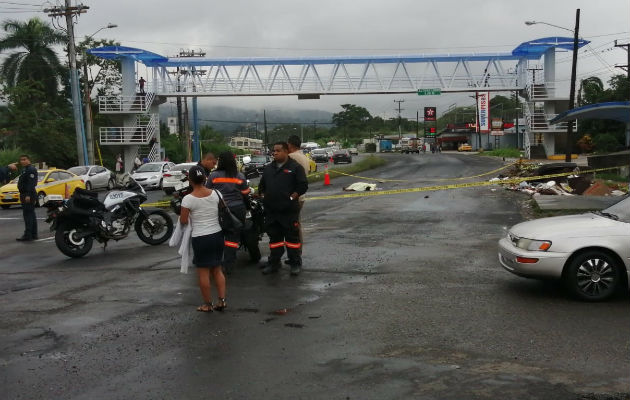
430,114
483,109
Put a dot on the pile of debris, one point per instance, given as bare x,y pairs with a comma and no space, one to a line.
583,184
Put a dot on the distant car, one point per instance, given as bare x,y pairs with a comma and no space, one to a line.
342,155
320,155
174,176
151,175
95,176
254,167
464,147
353,151
49,181
588,252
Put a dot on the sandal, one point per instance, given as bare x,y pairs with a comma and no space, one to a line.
221,305
205,307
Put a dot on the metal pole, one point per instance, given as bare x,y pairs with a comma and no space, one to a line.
417,122
196,139
74,86
266,137
88,116
569,146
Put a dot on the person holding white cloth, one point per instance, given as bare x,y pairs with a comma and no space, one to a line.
202,207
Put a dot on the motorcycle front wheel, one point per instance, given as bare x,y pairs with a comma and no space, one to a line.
158,232
69,244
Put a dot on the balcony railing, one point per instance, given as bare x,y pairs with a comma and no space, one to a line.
140,103
145,129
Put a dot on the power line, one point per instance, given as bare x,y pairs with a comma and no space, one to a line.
268,122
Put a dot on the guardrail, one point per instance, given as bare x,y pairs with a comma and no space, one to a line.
141,133
140,103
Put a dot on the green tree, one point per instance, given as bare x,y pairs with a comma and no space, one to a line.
34,59
591,90
43,127
352,121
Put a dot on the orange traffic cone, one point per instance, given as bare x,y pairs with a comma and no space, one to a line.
326,176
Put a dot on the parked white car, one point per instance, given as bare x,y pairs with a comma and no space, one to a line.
589,252
174,177
151,175
95,176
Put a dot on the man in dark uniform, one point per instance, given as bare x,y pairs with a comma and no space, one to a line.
283,182
5,173
28,196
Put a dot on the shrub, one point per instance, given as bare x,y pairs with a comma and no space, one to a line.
606,143
585,144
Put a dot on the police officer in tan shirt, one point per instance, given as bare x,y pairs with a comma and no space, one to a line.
295,152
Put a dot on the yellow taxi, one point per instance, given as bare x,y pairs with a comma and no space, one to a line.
312,165
464,147
49,181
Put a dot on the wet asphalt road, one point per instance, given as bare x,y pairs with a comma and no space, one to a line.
401,297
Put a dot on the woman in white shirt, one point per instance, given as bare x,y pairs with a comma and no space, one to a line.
202,208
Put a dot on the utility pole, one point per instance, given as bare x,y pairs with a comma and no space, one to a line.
627,68
399,117
569,148
417,122
70,12
265,126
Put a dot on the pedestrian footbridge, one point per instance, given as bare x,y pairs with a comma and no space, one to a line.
529,70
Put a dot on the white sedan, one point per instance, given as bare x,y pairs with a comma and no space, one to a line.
95,176
589,252
150,175
174,177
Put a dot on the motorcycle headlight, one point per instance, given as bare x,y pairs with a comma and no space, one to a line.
533,245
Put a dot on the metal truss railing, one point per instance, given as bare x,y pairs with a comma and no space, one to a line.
145,129
336,78
151,152
125,104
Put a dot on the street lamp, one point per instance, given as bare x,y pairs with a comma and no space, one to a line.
573,74
86,101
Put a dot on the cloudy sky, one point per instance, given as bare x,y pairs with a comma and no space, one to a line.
360,27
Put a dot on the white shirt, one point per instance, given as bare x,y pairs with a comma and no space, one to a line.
204,213
301,159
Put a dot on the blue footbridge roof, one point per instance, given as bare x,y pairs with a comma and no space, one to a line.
533,49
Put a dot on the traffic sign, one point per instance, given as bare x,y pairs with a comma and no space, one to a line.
429,92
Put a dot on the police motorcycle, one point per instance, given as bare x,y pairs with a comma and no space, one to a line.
254,226
81,219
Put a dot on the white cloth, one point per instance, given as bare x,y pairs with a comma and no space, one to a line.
205,212
181,236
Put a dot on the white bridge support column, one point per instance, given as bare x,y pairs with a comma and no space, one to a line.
129,89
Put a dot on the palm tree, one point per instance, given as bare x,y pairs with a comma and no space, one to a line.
590,90
35,60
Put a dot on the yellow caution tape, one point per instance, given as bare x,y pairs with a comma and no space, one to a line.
157,204
429,188
452,186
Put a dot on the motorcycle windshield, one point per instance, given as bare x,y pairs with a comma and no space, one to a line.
127,182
